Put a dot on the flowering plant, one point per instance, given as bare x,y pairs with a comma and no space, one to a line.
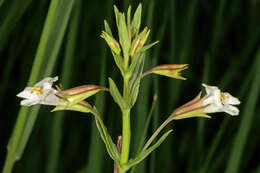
129,55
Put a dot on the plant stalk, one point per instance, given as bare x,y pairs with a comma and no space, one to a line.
147,144
126,129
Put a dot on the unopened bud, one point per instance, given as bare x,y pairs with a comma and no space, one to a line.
169,70
112,43
139,41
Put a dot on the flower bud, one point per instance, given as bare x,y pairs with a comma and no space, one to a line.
139,41
169,70
77,94
112,43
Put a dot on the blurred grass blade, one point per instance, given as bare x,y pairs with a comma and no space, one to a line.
189,31
97,152
67,70
201,121
253,34
1,3
49,45
14,11
145,129
218,27
247,117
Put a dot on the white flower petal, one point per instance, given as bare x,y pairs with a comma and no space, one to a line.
210,89
51,100
212,108
41,93
27,102
220,102
230,99
24,93
27,94
47,82
213,95
232,110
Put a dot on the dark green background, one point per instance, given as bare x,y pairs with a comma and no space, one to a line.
220,41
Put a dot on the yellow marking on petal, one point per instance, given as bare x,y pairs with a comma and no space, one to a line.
223,97
38,90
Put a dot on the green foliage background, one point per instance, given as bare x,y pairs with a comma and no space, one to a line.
219,39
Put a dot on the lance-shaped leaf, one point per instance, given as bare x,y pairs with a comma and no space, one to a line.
128,20
107,28
82,106
117,13
116,95
146,47
169,70
141,156
112,43
124,39
136,22
139,41
136,76
77,94
110,145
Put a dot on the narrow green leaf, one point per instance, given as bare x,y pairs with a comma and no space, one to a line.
148,46
111,147
107,28
116,95
117,15
129,21
135,79
105,141
136,22
119,62
123,33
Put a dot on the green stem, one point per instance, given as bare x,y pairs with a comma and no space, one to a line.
126,129
147,144
126,136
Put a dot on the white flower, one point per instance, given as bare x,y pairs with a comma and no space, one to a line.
41,93
220,101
